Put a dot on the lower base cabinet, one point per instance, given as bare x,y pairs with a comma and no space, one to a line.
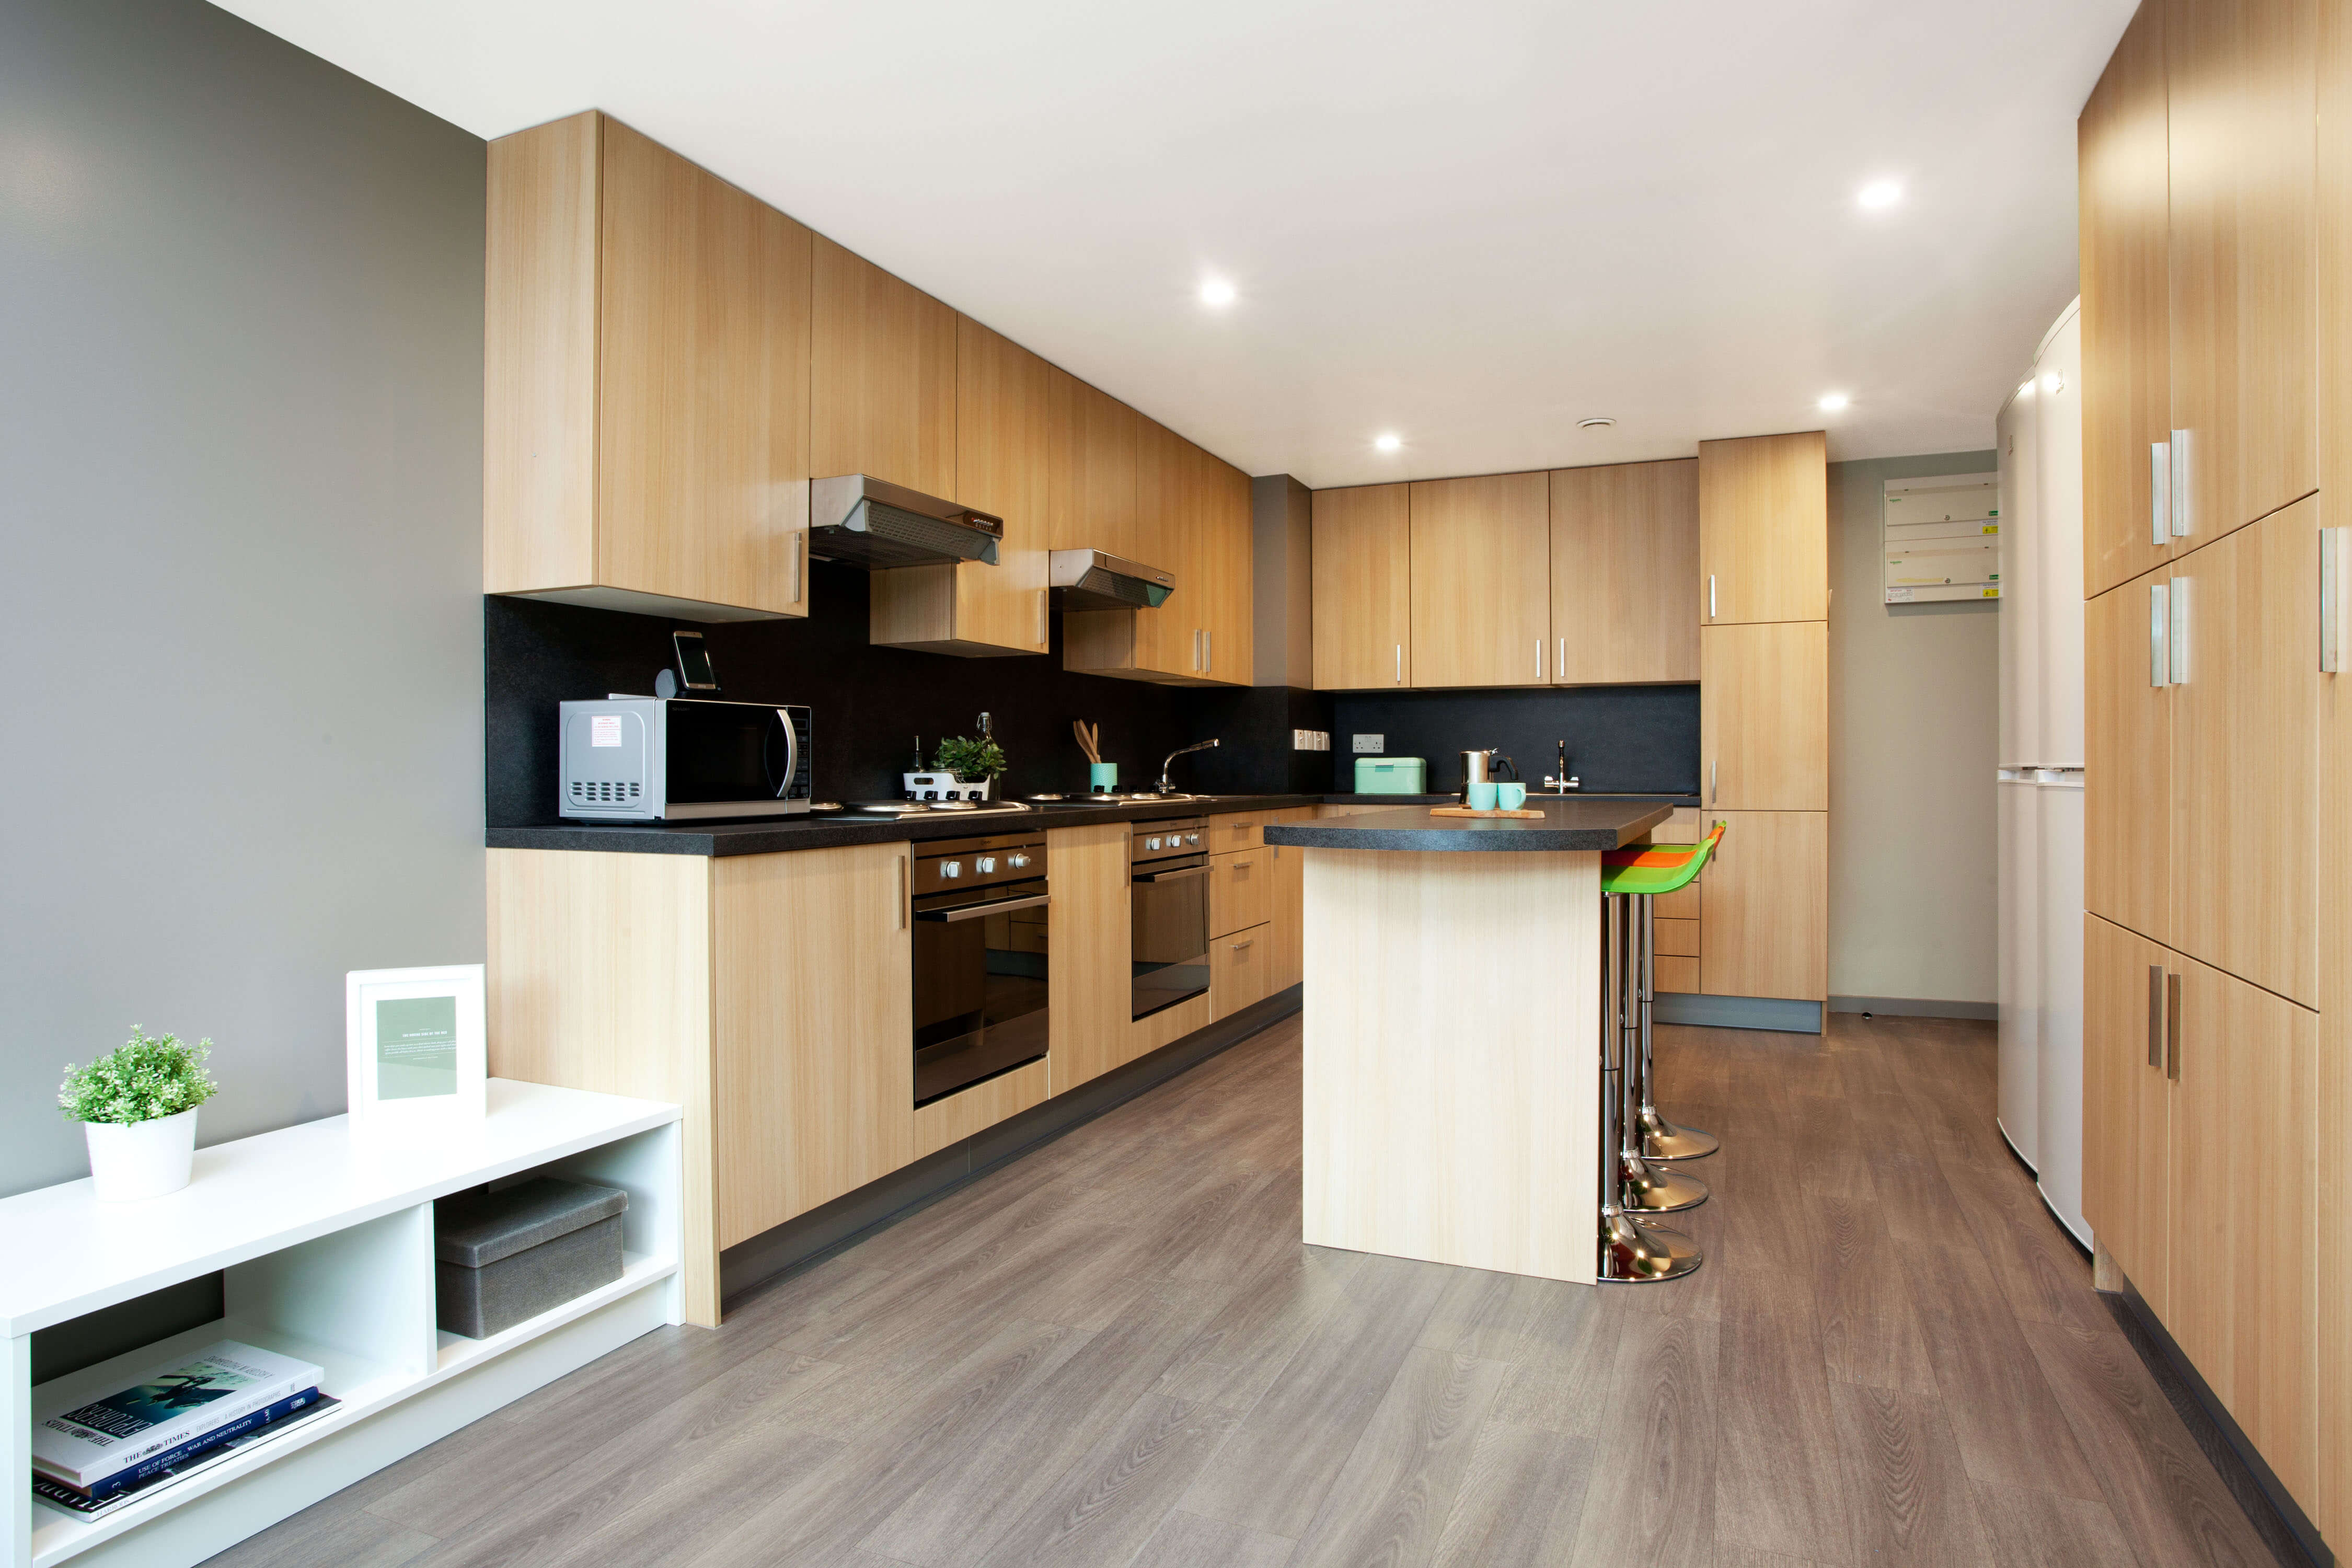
1089,981
1764,906
1288,965
1241,970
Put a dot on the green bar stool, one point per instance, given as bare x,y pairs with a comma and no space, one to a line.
1642,874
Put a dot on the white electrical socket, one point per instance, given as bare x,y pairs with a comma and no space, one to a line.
1375,744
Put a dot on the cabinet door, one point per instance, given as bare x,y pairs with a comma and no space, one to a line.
883,377
2128,1105
1763,529
1764,906
1363,573
1228,632
1241,969
2127,755
2241,106
1625,573
1288,924
1764,699
1170,536
1240,891
1004,448
813,992
1482,581
1087,981
2245,753
2125,162
1092,483
2243,1275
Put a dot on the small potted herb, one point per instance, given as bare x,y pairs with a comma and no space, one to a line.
980,762
137,1105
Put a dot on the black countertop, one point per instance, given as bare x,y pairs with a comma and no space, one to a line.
1591,822
829,830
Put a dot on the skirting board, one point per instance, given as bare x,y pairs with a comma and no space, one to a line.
1915,1007
1773,1013
853,1217
2285,1528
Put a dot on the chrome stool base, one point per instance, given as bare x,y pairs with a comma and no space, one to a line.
1632,1253
1662,1140
1644,1189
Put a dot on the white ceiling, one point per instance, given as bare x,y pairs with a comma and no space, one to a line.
1471,225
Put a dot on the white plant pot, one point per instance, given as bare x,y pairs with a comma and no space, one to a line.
134,1160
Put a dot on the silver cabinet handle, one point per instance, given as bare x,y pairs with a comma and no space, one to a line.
1399,647
1173,876
1239,945
2332,541
2160,635
974,912
2180,484
1710,596
906,890
1713,791
1243,864
800,554
1208,652
1044,626
2156,1014
2177,661
2172,1027
2159,492
1538,658
1560,660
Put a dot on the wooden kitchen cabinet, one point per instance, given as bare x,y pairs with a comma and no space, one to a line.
1764,715
1240,891
1232,830
2245,754
2125,164
1091,503
1228,569
1241,970
1362,575
1199,510
1625,573
2243,1288
1763,520
2127,1096
1088,983
882,376
2242,104
1004,448
1288,923
1765,907
645,407
1482,581
2127,763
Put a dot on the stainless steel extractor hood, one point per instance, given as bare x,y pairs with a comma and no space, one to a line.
1095,580
860,521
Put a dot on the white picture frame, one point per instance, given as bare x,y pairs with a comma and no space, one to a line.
417,1055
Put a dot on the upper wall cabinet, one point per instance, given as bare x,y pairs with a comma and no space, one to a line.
1625,573
1091,482
1482,581
882,377
1764,541
646,415
1003,432
2241,97
1193,518
2126,206
1362,570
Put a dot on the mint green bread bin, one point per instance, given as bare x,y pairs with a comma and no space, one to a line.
1390,776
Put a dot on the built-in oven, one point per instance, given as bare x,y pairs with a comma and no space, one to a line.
980,933
1167,873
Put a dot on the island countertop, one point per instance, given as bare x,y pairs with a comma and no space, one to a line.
1586,824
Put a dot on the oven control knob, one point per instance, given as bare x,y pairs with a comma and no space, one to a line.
1193,838
1151,844
1016,861
950,869
985,863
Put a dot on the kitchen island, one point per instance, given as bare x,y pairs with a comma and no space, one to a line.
1453,1031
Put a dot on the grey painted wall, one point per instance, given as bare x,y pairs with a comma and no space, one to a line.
240,554
1914,712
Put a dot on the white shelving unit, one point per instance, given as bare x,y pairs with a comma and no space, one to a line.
326,1246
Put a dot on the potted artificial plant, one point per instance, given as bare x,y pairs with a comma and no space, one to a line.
980,762
137,1105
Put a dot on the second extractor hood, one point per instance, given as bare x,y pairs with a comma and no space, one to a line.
860,521
1097,580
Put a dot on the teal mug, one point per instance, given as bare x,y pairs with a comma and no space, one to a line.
1510,794
1102,777
1479,796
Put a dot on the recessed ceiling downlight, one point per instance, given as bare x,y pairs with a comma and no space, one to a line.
1880,194
1217,291
1598,422
1388,441
1835,402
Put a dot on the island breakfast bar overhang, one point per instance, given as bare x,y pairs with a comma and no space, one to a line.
1453,1031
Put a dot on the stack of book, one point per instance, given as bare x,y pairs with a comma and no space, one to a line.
90,1458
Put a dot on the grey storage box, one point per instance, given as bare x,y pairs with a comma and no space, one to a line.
502,1257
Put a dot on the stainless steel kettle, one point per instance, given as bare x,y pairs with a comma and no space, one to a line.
1478,767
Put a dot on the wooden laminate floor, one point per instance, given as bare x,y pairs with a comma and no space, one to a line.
1116,1351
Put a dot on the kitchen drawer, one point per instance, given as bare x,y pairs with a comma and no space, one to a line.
1241,970
1682,904
1676,938
1678,974
1237,830
1240,891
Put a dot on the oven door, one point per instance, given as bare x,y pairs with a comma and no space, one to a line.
979,985
733,759
1171,954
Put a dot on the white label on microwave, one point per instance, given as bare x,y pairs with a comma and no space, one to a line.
604,730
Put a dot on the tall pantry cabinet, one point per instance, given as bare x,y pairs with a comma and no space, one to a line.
2214,230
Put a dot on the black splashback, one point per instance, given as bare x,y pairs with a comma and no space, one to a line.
1635,739
870,702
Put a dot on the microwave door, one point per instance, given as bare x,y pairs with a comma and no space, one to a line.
717,752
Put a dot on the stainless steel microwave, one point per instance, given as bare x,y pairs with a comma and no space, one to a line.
653,759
